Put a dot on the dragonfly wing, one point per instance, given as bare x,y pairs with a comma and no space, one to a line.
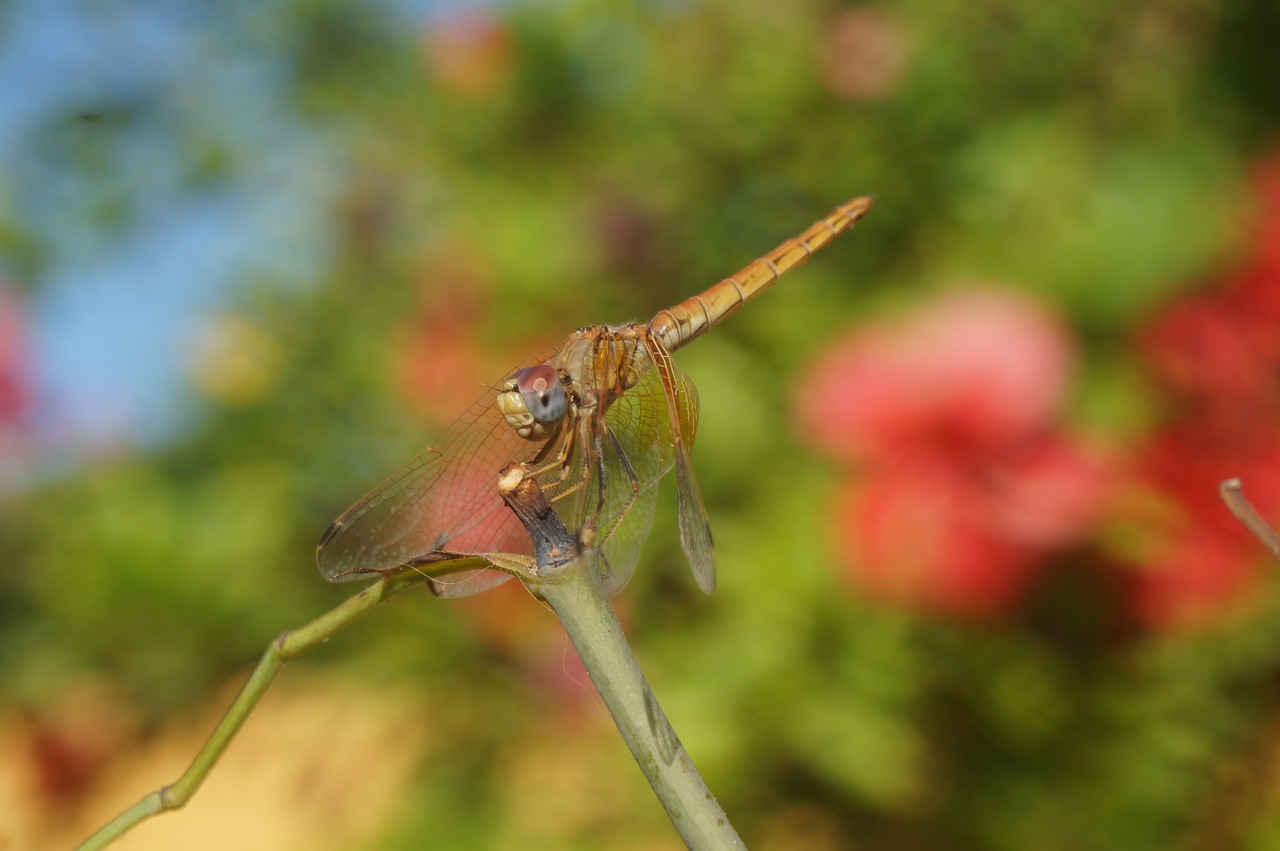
445,501
637,453
463,575
467,582
682,411
640,446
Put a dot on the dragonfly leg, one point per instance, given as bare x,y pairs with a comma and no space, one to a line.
594,466
602,493
580,437
632,480
553,441
602,472
559,464
571,476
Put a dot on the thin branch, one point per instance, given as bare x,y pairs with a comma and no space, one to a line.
1232,493
568,578
286,647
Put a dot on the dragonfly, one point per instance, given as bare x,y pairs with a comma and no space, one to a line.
597,421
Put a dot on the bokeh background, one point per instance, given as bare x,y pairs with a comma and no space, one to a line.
976,588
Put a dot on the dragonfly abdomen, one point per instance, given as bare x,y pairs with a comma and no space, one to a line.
676,326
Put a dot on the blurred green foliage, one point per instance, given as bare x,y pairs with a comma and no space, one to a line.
505,175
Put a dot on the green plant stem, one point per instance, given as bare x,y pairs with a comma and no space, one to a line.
285,648
567,577
578,599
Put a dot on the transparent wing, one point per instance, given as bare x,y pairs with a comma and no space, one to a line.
682,408
442,504
639,449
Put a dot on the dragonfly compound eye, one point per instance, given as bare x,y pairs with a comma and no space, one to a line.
543,396
533,401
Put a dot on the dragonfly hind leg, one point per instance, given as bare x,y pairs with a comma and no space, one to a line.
606,570
633,482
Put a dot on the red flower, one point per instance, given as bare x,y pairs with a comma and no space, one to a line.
1220,351
915,535
971,372
1266,235
1217,356
1193,560
1196,577
966,485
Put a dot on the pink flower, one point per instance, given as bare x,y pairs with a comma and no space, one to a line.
914,535
966,484
1045,492
969,372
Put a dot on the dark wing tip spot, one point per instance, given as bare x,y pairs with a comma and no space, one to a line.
328,535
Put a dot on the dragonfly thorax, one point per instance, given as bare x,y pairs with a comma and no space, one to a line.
533,401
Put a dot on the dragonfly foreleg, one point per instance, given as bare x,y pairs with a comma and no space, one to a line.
559,468
534,466
578,442
540,466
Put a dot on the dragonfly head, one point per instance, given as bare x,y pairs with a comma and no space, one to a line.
533,401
